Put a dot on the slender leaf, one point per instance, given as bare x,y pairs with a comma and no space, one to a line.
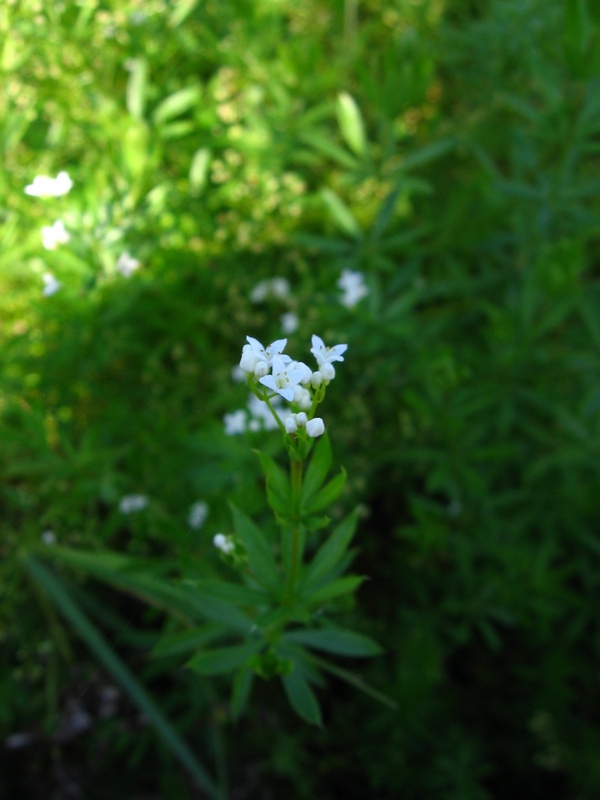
351,124
100,648
334,589
332,550
301,696
328,494
223,659
260,557
317,470
240,693
335,640
176,104
340,213
182,642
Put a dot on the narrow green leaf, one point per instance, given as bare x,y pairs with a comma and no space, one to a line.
328,494
240,692
181,10
199,169
430,152
100,648
260,556
329,148
317,470
332,550
340,213
335,640
352,679
334,589
351,124
301,696
223,659
232,593
136,87
176,104
181,642
278,482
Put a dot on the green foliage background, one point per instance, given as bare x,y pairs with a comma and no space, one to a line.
210,141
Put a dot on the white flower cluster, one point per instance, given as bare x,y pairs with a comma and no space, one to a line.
44,186
131,503
55,234
352,284
273,374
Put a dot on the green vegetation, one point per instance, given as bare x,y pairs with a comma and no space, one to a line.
447,152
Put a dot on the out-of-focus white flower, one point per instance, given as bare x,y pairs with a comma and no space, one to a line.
223,543
238,375
325,355
235,422
55,234
301,419
315,427
131,503
352,284
51,285
44,186
48,537
126,265
279,288
289,322
284,378
198,514
261,414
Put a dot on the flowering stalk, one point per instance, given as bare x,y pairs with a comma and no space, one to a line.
285,595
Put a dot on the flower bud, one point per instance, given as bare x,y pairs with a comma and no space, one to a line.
328,372
305,400
315,427
301,419
247,361
261,369
316,379
291,426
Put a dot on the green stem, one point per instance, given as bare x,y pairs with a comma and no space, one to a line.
296,482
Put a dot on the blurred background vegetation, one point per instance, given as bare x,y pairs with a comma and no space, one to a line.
449,153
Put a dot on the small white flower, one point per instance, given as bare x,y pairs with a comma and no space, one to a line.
126,265
325,355
197,515
235,423
274,350
223,543
51,285
352,284
132,502
284,379
271,287
291,426
48,537
315,427
289,322
44,186
55,234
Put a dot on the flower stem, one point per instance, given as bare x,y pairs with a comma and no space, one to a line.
295,553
